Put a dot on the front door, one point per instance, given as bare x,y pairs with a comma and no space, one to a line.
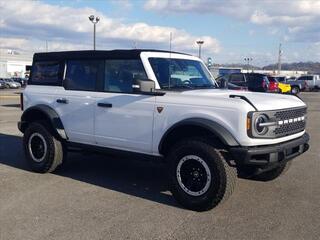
123,119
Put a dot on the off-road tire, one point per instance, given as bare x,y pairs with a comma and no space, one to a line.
223,176
55,150
272,174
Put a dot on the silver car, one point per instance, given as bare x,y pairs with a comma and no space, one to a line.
11,84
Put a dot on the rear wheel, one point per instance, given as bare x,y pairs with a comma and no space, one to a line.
200,177
43,152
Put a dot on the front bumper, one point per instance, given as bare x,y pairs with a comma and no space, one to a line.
263,156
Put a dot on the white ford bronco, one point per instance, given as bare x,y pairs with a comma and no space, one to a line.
160,105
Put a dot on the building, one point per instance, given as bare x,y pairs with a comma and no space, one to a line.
220,71
14,63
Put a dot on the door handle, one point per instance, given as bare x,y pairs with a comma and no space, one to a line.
62,100
106,105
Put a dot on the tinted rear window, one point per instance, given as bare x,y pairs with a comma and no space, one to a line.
83,74
272,79
46,73
236,78
256,80
305,78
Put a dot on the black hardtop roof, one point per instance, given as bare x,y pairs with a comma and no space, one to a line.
95,54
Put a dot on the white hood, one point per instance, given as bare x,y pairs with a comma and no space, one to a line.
262,101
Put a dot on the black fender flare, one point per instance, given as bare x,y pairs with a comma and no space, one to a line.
50,114
215,128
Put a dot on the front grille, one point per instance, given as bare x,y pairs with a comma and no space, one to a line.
292,113
290,121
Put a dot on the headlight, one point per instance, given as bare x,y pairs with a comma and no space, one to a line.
260,124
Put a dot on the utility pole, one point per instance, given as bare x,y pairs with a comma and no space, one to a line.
46,45
94,20
247,60
200,42
279,59
170,43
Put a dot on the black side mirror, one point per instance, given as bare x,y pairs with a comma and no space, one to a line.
144,86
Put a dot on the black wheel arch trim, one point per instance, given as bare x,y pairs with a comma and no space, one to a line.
215,128
50,114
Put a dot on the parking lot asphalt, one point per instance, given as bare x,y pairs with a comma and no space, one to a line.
101,197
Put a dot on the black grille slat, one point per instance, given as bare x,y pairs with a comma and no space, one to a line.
291,127
287,114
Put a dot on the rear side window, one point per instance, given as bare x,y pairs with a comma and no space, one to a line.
236,78
272,79
121,73
47,73
83,75
255,81
305,78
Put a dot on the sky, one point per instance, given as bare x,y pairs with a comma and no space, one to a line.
231,29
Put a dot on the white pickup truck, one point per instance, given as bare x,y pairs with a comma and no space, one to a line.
159,105
312,81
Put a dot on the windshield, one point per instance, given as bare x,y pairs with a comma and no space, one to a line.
181,73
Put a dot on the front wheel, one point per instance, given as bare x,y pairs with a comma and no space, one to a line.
200,177
295,90
43,152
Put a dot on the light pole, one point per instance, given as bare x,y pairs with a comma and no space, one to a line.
94,20
247,60
200,42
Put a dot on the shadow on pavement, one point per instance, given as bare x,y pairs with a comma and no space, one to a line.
142,179
11,105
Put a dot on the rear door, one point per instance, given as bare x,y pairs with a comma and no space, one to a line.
75,101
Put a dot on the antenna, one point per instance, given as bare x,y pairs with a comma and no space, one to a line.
279,59
135,44
170,41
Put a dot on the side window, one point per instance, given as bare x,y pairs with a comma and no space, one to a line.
255,81
236,78
121,73
303,78
46,73
83,74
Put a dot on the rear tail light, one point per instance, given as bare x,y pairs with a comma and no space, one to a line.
273,86
21,101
